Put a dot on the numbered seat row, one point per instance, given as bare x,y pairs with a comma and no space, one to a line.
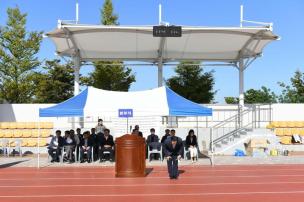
24,133
23,142
26,125
285,124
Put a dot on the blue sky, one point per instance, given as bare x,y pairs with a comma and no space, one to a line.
279,62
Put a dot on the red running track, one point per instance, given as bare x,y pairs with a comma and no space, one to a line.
196,183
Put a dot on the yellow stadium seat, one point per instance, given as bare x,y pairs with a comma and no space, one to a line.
285,139
279,132
17,133
291,124
24,143
1,133
295,131
12,125
270,126
298,124
47,125
287,132
43,142
35,133
4,125
45,133
283,124
32,143
26,133
275,124
8,133
301,132
21,125
31,125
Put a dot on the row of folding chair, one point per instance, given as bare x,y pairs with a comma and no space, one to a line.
26,125
24,133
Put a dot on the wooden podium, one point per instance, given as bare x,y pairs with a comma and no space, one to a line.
130,156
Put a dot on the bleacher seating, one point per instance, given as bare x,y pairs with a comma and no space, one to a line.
286,129
27,132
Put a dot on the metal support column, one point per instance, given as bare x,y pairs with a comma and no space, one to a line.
160,74
241,91
77,64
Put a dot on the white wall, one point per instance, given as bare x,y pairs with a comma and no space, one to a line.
288,112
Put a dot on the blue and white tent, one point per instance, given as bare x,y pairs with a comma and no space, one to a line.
96,102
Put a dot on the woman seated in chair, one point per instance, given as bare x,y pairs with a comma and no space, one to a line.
86,145
191,144
69,145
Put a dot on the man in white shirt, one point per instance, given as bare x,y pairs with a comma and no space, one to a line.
100,127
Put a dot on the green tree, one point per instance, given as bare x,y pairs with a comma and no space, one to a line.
295,92
263,95
231,100
192,83
55,84
110,75
252,96
18,49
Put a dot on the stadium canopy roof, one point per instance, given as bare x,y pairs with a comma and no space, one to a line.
136,43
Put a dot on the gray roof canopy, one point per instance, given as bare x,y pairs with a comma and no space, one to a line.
98,42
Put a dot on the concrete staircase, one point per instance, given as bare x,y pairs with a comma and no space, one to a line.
227,146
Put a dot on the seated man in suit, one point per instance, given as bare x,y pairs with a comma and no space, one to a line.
173,151
106,143
55,146
69,145
152,138
167,134
86,145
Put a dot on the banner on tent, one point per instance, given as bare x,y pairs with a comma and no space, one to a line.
125,113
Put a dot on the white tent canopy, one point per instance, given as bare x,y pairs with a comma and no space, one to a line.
98,42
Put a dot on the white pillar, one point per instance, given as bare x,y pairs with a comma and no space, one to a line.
241,92
76,59
76,74
160,74
241,83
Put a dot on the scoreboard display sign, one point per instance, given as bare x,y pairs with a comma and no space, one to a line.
167,31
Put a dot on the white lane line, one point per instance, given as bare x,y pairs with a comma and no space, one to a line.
145,178
146,195
140,185
157,171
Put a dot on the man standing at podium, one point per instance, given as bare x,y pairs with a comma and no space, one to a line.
173,151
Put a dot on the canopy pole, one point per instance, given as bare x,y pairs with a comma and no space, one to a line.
77,64
160,74
159,14
241,90
241,16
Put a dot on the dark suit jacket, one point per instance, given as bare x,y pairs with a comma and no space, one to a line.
191,143
164,138
90,142
102,140
152,138
170,151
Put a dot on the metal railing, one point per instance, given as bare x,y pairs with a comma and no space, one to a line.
247,119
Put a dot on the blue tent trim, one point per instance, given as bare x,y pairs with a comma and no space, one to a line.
180,106
69,108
